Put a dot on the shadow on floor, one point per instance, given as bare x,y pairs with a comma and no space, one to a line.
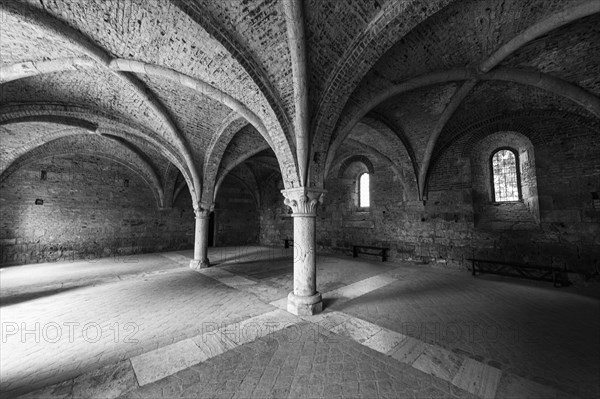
30,296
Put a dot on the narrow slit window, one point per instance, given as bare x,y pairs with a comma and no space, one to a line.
505,176
363,191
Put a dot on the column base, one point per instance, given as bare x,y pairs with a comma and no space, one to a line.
197,264
304,305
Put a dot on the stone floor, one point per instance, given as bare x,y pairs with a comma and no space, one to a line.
148,326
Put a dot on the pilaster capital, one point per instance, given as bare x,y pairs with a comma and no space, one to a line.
303,200
202,210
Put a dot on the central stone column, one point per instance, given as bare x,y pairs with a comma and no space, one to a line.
200,260
304,300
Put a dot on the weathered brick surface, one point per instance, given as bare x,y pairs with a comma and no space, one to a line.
236,216
226,131
300,361
565,53
95,146
98,90
245,143
463,34
417,113
146,139
92,208
245,29
27,44
517,328
510,216
355,50
556,225
197,116
478,29
361,54
276,223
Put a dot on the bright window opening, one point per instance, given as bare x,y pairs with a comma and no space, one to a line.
363,191
505,176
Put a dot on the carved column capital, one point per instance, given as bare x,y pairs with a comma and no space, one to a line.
202,210
303,200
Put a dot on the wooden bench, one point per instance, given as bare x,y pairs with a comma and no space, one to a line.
533,272
286,242
370,250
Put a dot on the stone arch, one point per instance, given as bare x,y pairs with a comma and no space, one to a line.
228,129
94,146
379,35
252,188
127,130
280,145
536,79
225,169
407,185
245,59
518,121
514,121
355,158
383,125
178,189
169,180
327,138
489,213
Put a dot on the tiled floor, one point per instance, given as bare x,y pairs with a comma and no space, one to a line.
151,327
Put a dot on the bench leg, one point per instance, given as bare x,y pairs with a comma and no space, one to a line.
354,252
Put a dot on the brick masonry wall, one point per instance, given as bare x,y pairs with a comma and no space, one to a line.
276,222
92,208
443,231
517,215
236,218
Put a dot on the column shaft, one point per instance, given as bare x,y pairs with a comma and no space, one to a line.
304,299
200,260
305,273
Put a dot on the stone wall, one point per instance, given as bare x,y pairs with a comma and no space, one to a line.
236,219
276,222
92,208
443,230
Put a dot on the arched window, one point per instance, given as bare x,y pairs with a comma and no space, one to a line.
505,175
364,198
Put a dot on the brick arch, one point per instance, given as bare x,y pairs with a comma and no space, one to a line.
225,169
397,137
408,185
276,139
277,130
179,189
67,121
232,124
85,117
521,214
353,111
517,122
546,82
170,176
93,146
249,181
394,21
205,20
520,122
356,158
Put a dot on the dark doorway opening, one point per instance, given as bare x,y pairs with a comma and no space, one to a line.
211,230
